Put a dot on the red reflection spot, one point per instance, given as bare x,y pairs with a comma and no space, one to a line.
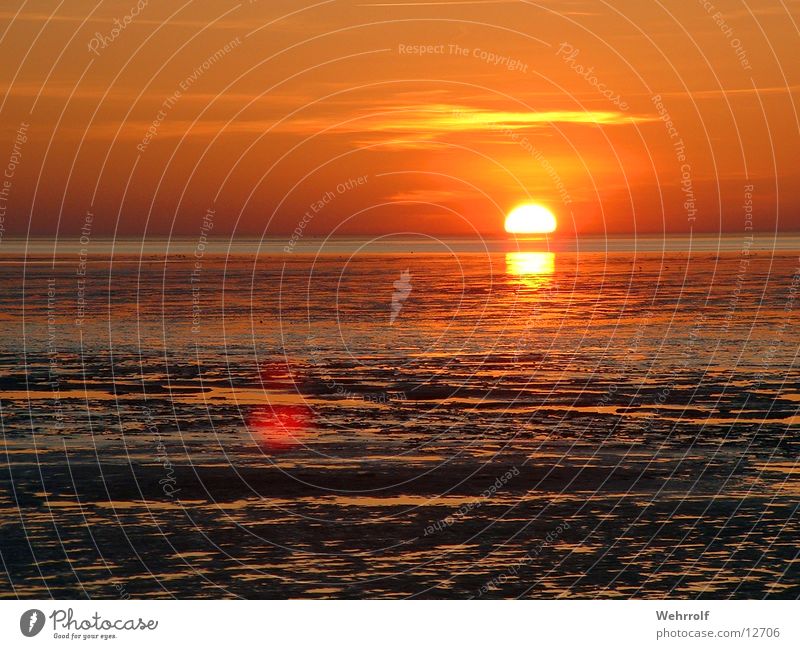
280,427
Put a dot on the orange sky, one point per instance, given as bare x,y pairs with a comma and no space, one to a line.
373,117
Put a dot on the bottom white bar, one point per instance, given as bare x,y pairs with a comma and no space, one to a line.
402,624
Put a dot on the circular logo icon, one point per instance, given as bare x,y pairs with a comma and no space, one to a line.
31,622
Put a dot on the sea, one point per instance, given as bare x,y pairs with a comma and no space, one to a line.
400,417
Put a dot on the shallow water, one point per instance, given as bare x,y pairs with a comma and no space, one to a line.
488,424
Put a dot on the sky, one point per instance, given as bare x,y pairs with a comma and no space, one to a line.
135,117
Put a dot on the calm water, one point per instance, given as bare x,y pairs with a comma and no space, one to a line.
407,421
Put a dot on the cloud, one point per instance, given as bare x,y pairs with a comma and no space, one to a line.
430,195
435,120
9,16
721,93
438,4
421,127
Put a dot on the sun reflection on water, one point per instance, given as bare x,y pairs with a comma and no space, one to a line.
531,268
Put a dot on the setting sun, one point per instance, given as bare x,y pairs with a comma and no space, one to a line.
530,219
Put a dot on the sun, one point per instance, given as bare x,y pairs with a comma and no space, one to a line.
530,218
